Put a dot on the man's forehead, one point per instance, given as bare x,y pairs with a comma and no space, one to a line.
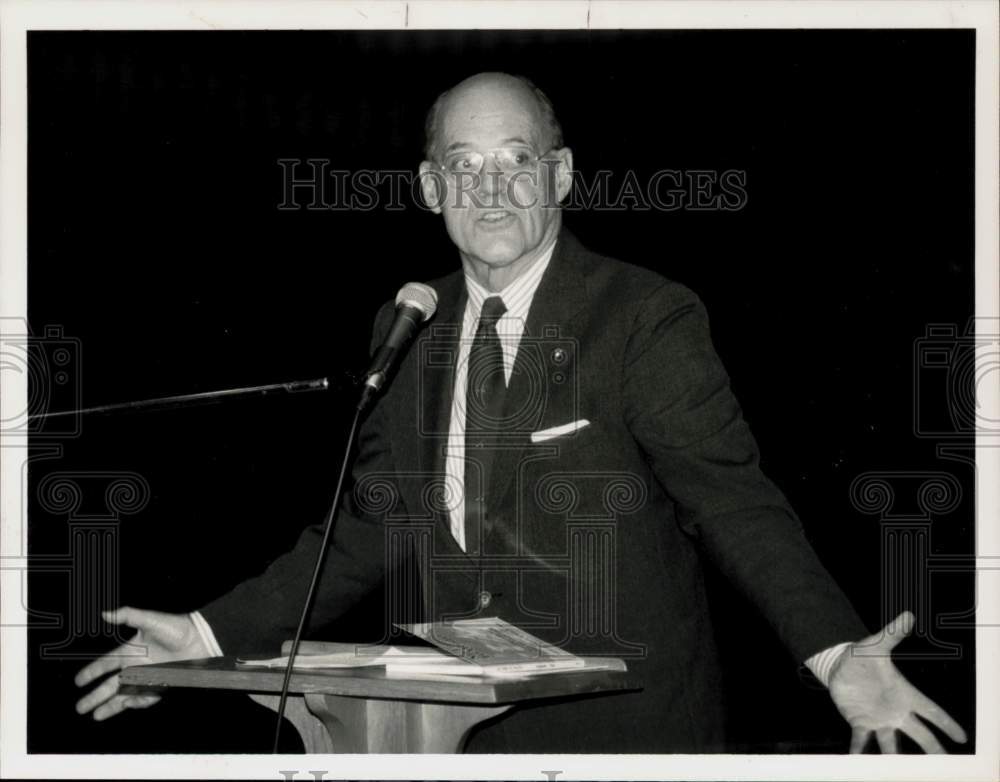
489,113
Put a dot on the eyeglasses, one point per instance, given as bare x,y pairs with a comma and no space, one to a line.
510,160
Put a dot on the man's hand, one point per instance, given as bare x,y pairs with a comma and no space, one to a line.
873,696
161,637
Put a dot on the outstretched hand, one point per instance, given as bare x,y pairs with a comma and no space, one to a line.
874,697
161,638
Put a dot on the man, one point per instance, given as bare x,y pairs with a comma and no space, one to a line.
574,418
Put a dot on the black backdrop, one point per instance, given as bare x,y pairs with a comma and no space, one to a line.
155,239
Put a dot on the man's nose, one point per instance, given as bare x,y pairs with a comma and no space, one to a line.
491,176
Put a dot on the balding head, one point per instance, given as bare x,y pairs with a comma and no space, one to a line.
492,93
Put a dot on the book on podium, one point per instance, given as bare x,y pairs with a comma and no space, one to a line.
485,647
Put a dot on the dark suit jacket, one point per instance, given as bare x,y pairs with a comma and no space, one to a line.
592,541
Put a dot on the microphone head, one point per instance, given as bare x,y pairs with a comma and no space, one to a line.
420,296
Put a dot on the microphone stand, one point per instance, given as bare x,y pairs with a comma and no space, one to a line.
331,515
415,303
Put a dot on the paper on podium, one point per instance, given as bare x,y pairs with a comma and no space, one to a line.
341,655
466,647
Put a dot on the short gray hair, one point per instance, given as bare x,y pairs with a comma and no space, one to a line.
548,114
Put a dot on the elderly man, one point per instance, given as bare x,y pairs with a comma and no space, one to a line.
590,452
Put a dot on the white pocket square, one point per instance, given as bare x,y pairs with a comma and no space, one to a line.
558,431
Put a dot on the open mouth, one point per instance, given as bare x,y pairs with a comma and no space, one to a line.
495,216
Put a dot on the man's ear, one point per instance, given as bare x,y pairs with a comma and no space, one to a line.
432,186
563,172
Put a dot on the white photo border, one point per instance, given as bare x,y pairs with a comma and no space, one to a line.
19,16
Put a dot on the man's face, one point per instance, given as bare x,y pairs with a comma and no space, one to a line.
507,209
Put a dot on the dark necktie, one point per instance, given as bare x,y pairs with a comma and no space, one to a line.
484,394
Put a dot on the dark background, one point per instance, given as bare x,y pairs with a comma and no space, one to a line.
155,240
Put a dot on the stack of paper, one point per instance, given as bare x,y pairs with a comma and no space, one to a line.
349,656
469,647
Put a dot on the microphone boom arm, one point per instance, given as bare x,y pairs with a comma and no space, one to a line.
319,384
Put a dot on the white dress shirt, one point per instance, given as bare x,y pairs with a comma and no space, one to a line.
510,328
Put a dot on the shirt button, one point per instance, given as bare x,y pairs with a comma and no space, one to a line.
485,598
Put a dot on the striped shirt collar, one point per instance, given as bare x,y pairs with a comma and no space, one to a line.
517,296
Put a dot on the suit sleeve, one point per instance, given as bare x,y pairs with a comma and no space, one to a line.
263,611
680,409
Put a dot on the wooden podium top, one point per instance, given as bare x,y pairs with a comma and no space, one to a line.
222,673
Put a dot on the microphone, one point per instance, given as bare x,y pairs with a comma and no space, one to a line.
415,303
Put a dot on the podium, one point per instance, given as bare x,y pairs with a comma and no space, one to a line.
362,710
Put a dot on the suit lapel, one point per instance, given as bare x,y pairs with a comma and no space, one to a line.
439,350
560,297
424,414
427,377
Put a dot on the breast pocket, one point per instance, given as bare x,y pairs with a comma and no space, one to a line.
560,443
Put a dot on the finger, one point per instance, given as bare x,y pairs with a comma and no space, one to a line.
102,665
107,710
141,701
133,617
106,663
913,728
887,741
897,630
934,714
98,695
859,737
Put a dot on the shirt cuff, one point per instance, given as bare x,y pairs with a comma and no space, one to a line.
208,637
821,664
